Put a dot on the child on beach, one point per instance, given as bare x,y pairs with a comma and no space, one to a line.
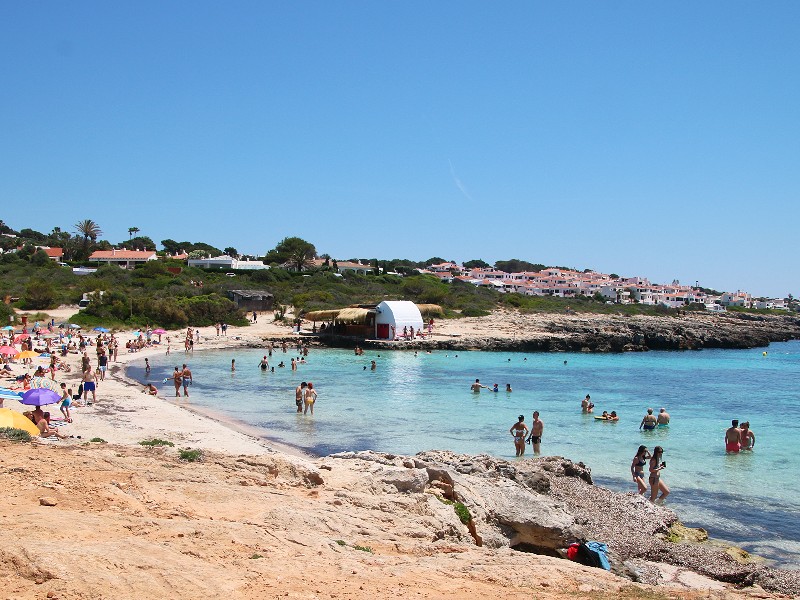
66,402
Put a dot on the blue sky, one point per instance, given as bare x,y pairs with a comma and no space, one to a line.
660,140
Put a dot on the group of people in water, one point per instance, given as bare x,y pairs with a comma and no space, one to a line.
739,437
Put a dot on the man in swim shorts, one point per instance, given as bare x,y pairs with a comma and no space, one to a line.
299,392
186,377
89,383
663,417
536,433
733,437
519,430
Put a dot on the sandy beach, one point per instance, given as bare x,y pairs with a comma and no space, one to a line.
253,519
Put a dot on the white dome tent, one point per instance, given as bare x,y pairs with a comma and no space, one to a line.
392,315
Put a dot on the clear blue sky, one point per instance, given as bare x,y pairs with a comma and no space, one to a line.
657,139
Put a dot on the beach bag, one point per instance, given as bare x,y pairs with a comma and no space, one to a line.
591,554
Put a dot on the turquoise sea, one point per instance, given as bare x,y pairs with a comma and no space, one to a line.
416,402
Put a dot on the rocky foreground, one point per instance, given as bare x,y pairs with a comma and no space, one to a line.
584,332
102,521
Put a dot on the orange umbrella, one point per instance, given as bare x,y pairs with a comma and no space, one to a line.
28,354
15,420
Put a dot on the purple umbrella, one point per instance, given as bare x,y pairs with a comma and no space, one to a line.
40,397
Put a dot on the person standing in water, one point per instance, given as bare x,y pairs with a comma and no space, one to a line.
309,398
586,404
637,468
747,437
649,421
733,438
476,387
656,484
537,429
663,417
519,430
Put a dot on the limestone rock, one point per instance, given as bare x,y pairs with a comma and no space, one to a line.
48,501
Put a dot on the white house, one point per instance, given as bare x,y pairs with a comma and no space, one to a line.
226,263
127,259
392,315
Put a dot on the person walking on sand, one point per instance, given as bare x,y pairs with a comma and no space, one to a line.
747,437
519,430
299,392
176,380
649,421
186,375
656,484
537,429
66,402
663,417
637,468
309,398
733,438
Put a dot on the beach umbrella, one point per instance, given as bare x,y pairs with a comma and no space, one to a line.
21,337
39,397
15,420
101,329
8,350
159,331
28,354
45,383
7,394
8,328
74,326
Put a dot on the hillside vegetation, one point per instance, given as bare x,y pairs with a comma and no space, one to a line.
152,294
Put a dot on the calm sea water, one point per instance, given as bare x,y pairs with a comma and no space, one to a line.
420,402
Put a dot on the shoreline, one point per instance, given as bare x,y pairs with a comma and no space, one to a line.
125,415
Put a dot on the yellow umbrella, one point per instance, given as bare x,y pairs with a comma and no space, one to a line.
27,354
15,420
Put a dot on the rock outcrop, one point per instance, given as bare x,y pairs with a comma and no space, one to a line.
541,505
606,333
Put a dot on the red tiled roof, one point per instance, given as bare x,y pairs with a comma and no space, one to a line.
122,254
54,252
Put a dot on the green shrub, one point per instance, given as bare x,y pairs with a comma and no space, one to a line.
191,455
363,548
98,440
155,442
15,435
462,512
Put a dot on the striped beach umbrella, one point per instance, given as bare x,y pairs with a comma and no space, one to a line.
45,383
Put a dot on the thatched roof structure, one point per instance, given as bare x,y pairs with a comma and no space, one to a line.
430,310
322,315
354,316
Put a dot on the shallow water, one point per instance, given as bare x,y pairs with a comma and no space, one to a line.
413,403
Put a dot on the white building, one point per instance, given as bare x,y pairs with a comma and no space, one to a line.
392,315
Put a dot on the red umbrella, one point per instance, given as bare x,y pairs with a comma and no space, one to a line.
8,350
20,337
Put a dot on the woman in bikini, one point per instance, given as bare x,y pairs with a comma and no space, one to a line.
637,468
656,485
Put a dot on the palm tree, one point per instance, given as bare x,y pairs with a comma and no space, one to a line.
89,230
131,231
